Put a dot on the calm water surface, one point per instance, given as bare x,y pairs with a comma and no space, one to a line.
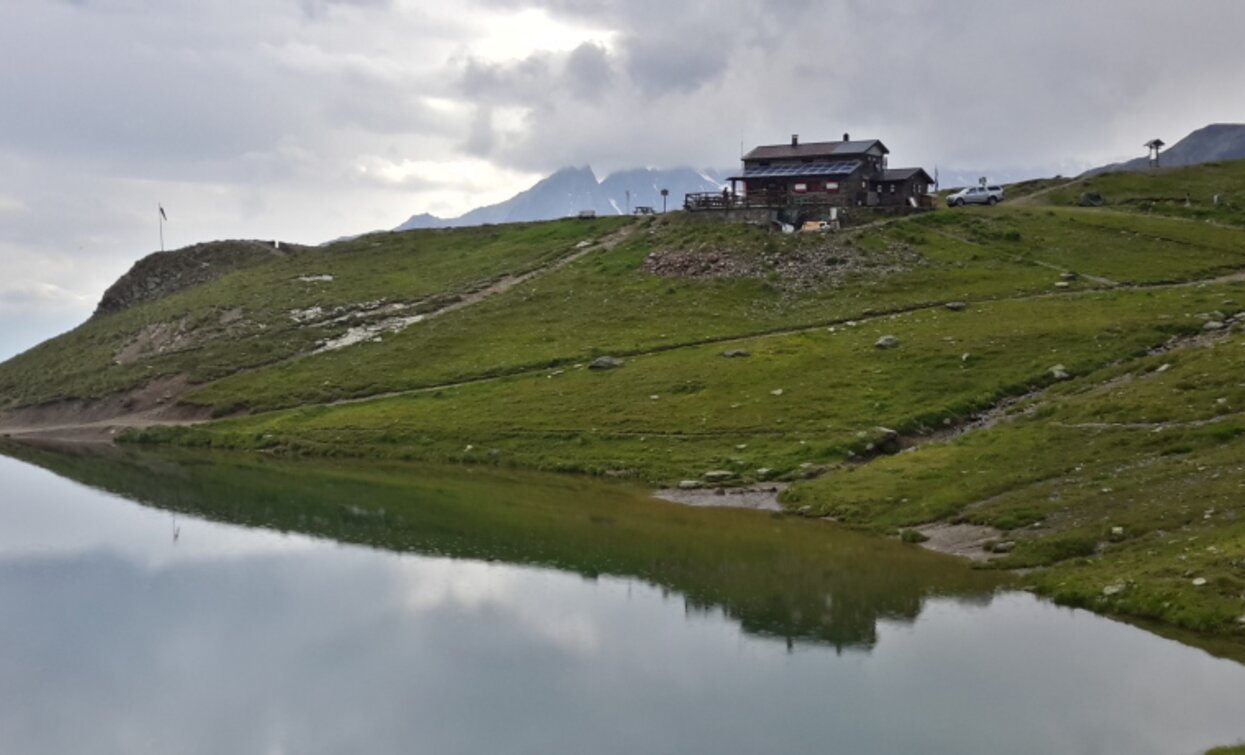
416,610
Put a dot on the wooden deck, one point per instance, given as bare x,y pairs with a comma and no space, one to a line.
755,201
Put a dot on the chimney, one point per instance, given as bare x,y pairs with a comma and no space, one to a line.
847,137
795,140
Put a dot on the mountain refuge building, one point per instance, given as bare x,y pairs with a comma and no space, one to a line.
812,177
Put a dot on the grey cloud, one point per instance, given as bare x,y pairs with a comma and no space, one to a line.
1034,84
261,117
481,140
663,66
589,72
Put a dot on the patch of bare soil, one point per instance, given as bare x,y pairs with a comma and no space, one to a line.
97,420
371,321
761,498
156,338
966,540
804,268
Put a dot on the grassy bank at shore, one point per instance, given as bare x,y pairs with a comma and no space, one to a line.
1072,378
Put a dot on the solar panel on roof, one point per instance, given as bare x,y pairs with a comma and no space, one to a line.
805,169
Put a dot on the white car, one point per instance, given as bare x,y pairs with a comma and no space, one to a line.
990,195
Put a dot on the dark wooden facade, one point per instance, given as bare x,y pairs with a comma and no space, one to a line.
845,173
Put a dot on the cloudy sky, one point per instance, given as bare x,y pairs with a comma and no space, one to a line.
309,119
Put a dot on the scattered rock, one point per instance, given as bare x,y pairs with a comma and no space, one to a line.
719,475
881,440
1199,582
886,342
776,392
1115,589
1004,547
1091,199
828,262
165,273
583,244
735,353
764,472
655,397
1117,531
1059,372
1068,276
1063,284
689,484
1213,325
956,306
605,363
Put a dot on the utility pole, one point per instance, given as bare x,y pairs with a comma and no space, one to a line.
161,220
664,193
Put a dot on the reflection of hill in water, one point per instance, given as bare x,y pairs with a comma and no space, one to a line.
777,576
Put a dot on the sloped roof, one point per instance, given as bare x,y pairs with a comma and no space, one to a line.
814,149
800,170
903,174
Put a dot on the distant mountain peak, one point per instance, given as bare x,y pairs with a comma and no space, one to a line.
1211,143
572,189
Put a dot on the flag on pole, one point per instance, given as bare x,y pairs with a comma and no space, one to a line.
166,217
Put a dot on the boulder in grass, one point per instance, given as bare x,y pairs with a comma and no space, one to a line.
605,363
719,475
956,306
735,353
886,342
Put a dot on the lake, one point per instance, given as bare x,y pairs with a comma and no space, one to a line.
187,603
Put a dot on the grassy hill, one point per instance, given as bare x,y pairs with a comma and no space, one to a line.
1082,397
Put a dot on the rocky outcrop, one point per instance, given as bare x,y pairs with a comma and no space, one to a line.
163,273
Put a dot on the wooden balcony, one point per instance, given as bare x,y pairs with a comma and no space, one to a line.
758,200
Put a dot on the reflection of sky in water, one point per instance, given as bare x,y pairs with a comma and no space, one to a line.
113,639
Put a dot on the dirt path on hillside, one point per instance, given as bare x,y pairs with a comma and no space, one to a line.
97,420
1028,198
31,420
1018,259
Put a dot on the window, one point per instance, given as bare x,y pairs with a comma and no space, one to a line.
892,188
800,187
832,186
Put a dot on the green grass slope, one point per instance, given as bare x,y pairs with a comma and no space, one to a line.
1082,396
1185,192
245,319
